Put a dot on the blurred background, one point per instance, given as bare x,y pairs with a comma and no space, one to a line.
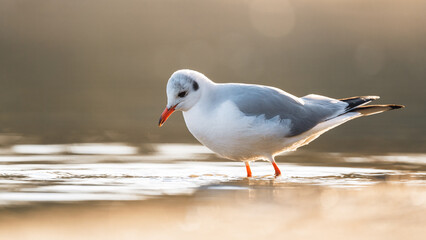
96,70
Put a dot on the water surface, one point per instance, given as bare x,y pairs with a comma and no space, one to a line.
103,172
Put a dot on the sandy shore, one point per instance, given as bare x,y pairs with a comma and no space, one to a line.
264,211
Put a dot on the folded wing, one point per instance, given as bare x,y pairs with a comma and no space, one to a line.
304,113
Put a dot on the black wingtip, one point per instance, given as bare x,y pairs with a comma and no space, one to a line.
354,102
373,109
395,106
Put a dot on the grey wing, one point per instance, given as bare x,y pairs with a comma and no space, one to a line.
304,113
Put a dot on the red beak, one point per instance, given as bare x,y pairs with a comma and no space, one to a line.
166,114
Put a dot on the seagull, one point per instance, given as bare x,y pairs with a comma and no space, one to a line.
248,122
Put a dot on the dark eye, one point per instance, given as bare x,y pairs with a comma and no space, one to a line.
195,86
182,94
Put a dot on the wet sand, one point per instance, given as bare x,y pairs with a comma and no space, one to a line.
264,211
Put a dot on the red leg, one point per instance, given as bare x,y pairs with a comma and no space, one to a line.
248,169
277,170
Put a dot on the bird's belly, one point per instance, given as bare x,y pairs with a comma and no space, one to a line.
233,135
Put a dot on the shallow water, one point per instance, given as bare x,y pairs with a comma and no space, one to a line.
31,174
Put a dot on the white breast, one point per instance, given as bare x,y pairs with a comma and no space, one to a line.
230,133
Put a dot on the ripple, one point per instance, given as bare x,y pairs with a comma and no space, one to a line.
182,169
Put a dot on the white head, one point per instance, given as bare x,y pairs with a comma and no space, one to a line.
183,91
